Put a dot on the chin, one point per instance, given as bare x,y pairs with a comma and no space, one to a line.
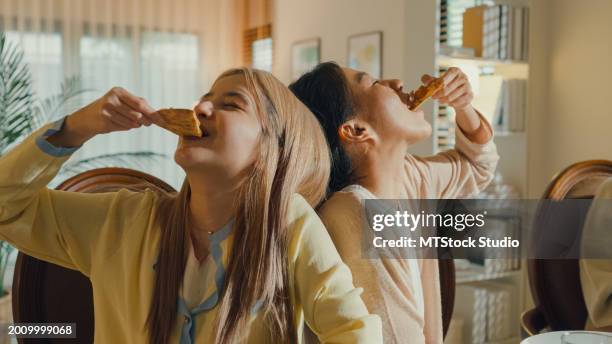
187,160
427,130
419,134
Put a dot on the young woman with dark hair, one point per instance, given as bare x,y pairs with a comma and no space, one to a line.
369,128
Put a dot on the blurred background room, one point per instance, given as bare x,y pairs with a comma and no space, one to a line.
540,71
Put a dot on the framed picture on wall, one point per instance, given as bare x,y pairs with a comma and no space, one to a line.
305,55
365,53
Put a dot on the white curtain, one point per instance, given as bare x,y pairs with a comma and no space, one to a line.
168,52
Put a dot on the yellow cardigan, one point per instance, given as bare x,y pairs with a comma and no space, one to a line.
111,238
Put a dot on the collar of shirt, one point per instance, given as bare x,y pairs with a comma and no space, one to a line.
217,261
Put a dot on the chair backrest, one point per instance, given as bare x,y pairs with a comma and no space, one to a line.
447,291
47,293
555,283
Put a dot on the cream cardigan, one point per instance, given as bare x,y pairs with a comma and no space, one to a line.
405,293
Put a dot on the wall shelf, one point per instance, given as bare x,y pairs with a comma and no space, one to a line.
447,61
511,146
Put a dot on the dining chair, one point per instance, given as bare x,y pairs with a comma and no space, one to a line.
555,283
47,293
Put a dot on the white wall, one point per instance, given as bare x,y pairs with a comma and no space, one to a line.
407,51
579,96
570,93
333,21
538,113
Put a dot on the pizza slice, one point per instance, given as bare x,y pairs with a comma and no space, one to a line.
182,122
425,92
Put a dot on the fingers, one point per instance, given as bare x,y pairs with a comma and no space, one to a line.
450,87
133,115
118,119
457,88
139,105
426,79
136,103
451,74
456,83
456,94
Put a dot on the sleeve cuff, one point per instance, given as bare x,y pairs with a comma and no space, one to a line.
475,149
51,149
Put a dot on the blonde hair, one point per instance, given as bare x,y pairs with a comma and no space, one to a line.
293,158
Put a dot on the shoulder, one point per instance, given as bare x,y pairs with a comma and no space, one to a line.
342,211
131,202
122,208
300,210
122,201
344,208
306,230
349,199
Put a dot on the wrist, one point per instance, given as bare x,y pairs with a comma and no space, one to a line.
473,126
78,132
71,134
464,109
467,118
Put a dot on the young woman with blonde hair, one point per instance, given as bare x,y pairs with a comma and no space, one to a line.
238,255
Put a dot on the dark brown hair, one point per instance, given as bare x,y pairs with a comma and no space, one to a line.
326,92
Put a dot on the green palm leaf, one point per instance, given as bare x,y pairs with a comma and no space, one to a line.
16,99
66,101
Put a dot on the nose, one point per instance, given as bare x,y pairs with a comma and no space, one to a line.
396,84
204,108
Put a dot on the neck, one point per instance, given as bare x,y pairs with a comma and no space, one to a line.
212,203
380,172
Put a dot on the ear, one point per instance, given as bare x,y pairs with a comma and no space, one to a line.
355,131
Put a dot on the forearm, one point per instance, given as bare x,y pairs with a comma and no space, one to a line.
472,125
28,168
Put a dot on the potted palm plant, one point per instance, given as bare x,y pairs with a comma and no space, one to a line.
21,113
5,299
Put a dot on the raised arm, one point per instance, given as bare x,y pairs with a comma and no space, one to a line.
333,308
470,166
56,226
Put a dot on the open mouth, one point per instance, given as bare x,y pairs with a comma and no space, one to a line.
205,134
407,98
